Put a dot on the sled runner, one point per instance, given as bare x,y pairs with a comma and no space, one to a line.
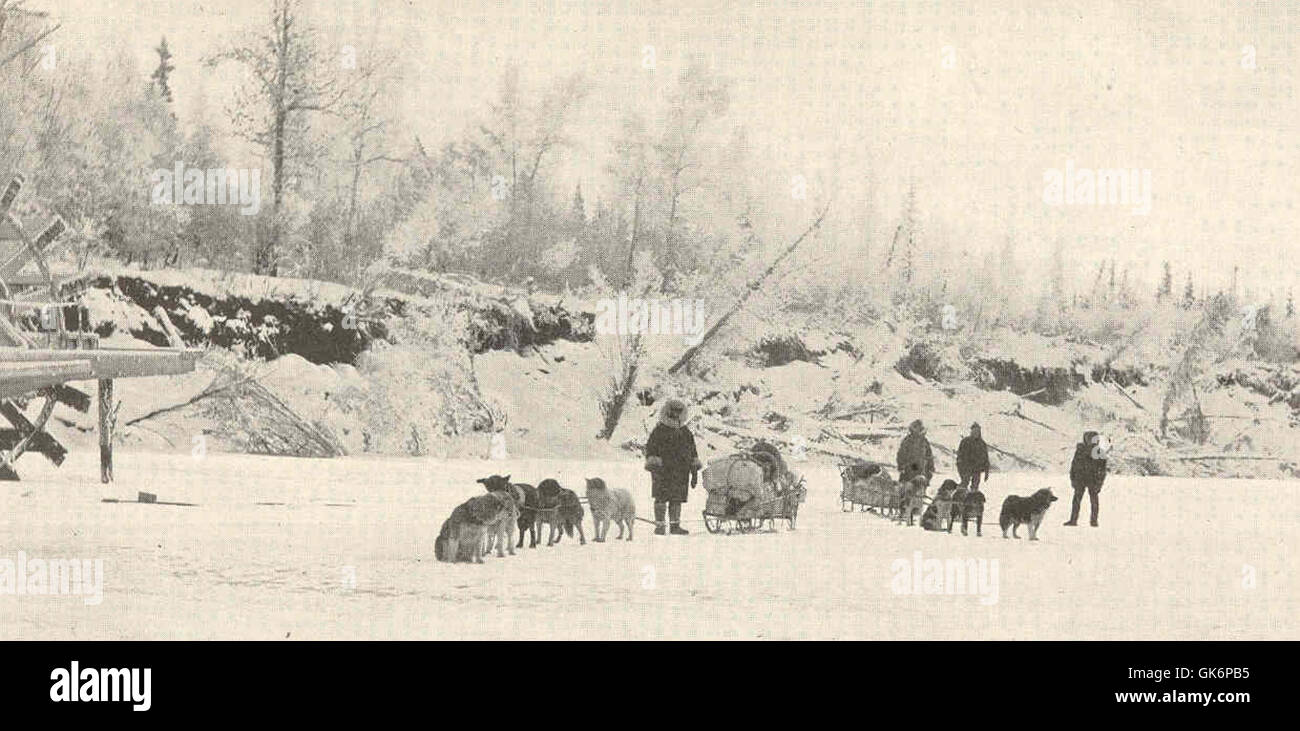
751,490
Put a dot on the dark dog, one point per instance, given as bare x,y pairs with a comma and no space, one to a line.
971,505
528,515
1027,510
527,510
943,509
560,509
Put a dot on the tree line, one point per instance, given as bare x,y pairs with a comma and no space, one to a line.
676,209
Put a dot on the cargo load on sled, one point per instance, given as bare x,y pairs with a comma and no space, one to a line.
867,486
751,489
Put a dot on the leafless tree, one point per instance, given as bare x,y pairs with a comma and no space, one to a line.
292,81
630,167
699,97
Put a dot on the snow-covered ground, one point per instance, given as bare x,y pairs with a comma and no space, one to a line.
304,549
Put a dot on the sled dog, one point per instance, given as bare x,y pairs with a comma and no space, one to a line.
1027,510
610,504
560,509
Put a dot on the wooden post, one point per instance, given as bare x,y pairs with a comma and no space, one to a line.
106,430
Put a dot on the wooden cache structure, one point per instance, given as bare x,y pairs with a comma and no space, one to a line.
40,353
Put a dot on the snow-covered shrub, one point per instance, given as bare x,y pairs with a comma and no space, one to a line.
423,389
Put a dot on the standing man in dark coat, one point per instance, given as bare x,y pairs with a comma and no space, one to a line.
1087,471
914,454
673,463
972,459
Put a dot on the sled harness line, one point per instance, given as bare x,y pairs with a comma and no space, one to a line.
770,501
668,522
535,509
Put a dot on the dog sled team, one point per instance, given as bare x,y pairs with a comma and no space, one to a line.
866,486
491,521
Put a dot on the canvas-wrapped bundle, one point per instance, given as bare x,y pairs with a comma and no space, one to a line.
738,488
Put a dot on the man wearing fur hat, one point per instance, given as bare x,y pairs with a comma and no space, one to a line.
673,464
914,455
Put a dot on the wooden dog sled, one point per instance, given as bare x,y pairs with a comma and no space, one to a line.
866,486
751,490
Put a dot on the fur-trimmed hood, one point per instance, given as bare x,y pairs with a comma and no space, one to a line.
675,413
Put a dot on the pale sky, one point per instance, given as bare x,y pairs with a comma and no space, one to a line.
856,97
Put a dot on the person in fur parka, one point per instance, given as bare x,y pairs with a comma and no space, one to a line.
673,463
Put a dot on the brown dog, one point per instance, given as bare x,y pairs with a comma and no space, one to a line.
1028,510
940,513
560,509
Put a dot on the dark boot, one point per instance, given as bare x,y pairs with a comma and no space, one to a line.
675,518
660,510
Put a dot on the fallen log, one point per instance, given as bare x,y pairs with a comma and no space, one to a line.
833,434
749,291
208,392
872,429
1017,413
1126,395
1229,416
1014,456
856,412
739,432
859,435
173,336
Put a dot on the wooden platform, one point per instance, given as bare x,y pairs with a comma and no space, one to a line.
106,362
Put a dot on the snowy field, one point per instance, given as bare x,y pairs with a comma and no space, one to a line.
301,549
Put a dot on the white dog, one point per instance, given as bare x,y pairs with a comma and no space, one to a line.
608,505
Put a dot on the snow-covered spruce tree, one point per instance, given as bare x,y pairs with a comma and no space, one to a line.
1166,288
